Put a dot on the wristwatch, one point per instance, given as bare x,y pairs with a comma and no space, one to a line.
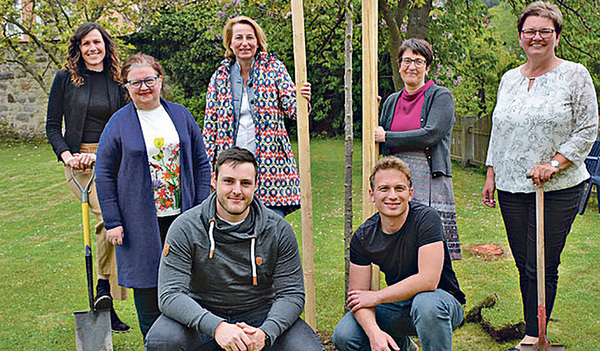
555,164
267,340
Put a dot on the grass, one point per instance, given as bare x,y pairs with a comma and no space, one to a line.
43,278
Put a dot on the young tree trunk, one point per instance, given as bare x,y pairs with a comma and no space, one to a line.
349,140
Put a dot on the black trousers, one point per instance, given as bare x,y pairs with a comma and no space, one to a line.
146,300
519,215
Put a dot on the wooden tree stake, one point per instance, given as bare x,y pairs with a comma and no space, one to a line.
369,148
304,157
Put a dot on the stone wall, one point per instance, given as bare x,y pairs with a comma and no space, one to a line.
22,101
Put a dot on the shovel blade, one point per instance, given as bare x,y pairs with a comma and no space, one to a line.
92,331
535,347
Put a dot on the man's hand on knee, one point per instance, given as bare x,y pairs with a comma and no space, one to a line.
382,341
231,337
256,335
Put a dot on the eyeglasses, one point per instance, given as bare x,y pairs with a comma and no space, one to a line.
137,83
406,61
545,33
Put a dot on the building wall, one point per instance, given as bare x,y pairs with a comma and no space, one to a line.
22,100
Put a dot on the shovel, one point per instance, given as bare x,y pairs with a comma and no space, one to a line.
542,344
92,328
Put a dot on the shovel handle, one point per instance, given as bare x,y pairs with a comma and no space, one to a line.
541,266
87,239
85,191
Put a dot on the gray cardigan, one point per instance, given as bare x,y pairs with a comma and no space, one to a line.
437,119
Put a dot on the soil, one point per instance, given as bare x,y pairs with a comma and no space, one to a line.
487,252
325,338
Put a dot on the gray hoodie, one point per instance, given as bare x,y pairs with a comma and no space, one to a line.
207,269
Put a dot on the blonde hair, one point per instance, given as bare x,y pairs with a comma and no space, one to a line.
390,162
228,34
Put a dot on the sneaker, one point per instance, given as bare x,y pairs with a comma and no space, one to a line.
412,346
103,299
116,325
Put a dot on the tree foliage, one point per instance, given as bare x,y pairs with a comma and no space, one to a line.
34,31
189,44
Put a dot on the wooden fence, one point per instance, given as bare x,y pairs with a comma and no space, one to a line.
470,139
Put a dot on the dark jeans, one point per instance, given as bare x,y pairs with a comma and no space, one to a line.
169,335
519,215
146,300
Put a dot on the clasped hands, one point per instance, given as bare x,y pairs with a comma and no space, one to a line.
81,161
239,337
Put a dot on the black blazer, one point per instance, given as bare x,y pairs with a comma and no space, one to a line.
71,103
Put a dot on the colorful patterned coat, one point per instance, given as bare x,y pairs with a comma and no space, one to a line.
274,96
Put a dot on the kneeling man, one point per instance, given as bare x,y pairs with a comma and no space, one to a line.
406,241
231,276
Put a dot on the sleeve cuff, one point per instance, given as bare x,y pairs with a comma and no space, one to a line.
271,329
209,324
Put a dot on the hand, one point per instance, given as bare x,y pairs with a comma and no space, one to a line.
256,335
379,135
86,160
115,235
382,341
231,337
305,91
487,195
70,159
358,299
542,173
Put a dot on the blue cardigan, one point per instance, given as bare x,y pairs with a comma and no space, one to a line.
125,194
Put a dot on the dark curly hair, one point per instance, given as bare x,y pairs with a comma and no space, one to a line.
75,64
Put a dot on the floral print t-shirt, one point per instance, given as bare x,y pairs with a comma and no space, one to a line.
162,145
558,114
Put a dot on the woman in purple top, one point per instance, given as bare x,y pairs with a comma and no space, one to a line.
415,125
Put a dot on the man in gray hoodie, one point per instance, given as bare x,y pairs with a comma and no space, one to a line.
231,276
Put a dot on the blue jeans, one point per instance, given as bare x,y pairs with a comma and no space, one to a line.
432,316
168,335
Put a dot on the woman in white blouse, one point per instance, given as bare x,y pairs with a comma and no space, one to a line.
544,124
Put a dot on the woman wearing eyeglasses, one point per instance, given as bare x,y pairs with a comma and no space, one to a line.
544,125
415,124
84,95
151,167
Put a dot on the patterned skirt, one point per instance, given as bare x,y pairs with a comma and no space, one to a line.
435,192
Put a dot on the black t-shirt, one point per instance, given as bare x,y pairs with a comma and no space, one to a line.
397,254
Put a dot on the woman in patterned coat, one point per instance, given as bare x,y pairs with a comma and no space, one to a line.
247,99
544,125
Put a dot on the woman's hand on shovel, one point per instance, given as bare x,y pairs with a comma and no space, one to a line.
115,235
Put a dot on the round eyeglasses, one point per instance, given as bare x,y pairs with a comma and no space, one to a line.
406,61
137,83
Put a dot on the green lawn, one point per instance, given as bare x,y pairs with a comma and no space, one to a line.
42,276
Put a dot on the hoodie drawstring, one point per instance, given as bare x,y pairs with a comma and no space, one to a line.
253,260
211,227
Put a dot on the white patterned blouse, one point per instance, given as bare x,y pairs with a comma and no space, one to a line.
558,114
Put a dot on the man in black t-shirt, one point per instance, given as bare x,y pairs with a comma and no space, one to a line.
406,241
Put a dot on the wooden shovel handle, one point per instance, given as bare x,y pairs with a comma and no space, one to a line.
541,267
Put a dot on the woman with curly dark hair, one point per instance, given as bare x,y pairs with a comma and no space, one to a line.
84,95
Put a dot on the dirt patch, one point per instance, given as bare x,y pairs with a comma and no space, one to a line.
325,338
487,251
